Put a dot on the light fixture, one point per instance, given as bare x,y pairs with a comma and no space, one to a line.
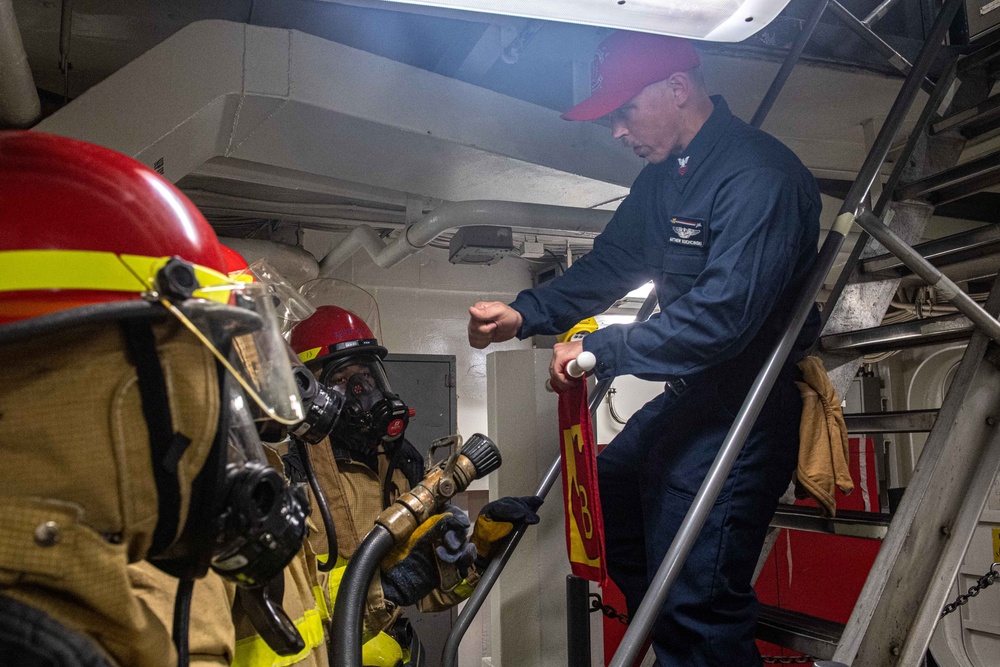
712,20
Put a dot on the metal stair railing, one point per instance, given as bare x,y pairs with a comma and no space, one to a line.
930,531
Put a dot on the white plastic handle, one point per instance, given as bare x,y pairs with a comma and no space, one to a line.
582,364
577,367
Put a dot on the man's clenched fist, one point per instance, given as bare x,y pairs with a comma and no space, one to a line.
492,322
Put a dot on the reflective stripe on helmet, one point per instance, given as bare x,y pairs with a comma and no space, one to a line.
309,355
37,270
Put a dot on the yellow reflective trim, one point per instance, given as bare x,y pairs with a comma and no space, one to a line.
66,269
381,651
254,651
334,577
309,355
29,270
214,285
324,611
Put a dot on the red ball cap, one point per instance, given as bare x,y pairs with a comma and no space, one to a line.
627,62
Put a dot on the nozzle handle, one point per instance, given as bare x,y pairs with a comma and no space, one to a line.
483,453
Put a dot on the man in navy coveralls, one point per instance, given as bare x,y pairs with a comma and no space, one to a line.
725,221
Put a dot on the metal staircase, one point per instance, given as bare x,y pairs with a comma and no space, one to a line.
926,539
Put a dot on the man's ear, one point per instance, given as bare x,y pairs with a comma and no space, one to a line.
680,88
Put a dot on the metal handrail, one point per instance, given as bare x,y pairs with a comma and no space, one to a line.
933,105
789,63
682,543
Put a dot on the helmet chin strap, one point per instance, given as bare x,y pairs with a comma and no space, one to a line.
166,446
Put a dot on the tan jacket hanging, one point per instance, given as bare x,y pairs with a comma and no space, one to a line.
823,445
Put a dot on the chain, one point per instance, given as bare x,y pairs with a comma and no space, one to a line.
788,659
606,609
984,581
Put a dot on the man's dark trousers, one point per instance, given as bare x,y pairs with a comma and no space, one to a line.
649,475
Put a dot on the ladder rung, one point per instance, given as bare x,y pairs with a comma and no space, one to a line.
940,252
867,525
954,183
915,333
973,122
811,635
911,421
981,57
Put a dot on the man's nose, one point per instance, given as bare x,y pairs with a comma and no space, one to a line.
618,129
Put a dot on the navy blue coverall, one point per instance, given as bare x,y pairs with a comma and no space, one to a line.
726,232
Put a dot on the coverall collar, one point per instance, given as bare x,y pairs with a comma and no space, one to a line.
682,167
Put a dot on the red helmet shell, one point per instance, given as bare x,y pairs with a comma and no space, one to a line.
332,333
62,194
234,260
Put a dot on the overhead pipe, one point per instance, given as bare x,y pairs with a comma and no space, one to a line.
461,214
295,264
19,103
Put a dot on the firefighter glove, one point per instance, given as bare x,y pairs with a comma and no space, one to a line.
498,518
412,570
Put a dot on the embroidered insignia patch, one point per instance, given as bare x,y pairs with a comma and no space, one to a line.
682,165
686,232
596,78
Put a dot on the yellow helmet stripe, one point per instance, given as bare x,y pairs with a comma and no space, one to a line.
26,270
309,355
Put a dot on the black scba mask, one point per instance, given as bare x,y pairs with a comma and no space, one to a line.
246,523
372,413
263,521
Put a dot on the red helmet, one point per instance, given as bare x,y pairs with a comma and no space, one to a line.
234,261
80,221
332,333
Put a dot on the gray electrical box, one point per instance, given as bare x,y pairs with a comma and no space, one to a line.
426,383
480,245
982,16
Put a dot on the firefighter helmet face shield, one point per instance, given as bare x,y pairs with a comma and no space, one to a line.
238,315
290,306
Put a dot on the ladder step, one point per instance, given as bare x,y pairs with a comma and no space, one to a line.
973,244
909,421
973,122
916,333
954,183
811,635
848,523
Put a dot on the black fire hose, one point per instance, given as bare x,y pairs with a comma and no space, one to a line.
349,609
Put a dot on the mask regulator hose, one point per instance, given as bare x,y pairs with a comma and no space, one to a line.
478,458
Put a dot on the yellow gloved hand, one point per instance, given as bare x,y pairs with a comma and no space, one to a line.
498,518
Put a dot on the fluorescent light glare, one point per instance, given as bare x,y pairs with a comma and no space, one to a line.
641,292
712,20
